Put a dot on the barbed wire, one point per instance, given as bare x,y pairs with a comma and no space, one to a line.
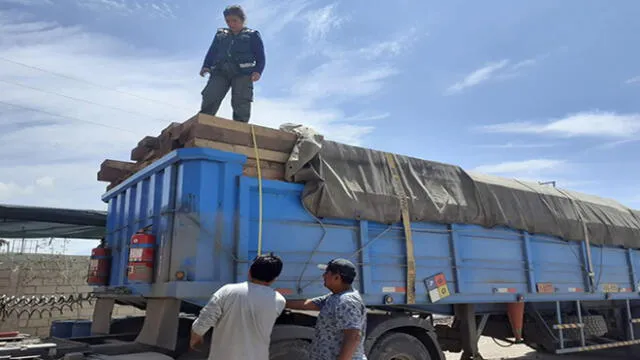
26,307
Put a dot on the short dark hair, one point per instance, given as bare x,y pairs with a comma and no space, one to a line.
266,267
235,10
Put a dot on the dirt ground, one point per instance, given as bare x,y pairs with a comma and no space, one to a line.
491,351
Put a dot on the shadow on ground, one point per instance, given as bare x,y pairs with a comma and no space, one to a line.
492,351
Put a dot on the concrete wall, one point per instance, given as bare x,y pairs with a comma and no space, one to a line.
45,275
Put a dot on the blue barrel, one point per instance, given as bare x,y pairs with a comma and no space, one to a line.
61,328
81,328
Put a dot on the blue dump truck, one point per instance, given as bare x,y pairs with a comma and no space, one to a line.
517,261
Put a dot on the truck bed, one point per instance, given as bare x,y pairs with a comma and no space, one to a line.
206,216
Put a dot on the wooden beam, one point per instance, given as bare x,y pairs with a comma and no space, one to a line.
233,132
268,155
268,169
146,145
270,174
112,170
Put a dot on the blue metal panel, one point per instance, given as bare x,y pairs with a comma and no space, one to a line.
531,270
365,259
206,217
634,274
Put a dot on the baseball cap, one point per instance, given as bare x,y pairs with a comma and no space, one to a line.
344,267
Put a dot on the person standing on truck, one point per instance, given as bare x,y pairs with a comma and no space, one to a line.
242,315
236,59
342,319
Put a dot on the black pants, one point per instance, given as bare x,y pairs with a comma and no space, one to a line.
217,88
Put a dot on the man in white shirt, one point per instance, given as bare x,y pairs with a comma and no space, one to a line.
242,314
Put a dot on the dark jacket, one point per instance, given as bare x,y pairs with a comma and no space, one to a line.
244,51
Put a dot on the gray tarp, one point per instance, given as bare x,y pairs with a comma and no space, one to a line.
350,182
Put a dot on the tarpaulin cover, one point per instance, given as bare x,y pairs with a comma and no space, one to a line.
40,222
351,182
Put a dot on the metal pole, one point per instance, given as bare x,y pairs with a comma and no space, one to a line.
559,318
582,341
630,320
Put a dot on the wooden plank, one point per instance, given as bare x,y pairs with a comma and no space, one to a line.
112,170
169,138
145,146
268,169
233,132
271,174
244,127
265,164
165,142
268,155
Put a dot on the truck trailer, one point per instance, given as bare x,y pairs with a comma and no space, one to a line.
516,261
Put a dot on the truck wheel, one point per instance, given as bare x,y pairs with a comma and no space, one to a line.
399,346
289,350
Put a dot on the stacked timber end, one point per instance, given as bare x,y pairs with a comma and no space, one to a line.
205,131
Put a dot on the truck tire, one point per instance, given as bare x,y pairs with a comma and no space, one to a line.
398,346
289,350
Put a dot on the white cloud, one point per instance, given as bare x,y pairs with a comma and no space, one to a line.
28,2
52,160
490,71
321,21
526,167
516,145
588,123
340,78
633,80
272,17
533,170
351,72
45,181
397,46
478,76
131,7
17,189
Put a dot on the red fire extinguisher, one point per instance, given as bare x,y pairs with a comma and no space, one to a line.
99,265
141,257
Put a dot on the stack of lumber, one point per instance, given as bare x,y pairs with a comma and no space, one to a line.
205,131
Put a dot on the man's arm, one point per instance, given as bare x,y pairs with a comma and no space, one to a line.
257,46
307,304
350,318
208,59
314,304
350,341
208,318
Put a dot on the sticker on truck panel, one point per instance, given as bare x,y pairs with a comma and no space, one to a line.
610,288
437,287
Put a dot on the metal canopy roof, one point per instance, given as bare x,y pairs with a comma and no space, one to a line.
28,222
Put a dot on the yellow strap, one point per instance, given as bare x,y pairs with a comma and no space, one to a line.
406,220
255,149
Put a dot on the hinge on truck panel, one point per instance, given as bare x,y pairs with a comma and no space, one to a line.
406,220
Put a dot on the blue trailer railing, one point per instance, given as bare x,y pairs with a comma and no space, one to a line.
205,215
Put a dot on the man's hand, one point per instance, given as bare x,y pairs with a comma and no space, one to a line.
195,340
204,71
255,76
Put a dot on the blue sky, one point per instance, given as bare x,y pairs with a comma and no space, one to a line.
541,91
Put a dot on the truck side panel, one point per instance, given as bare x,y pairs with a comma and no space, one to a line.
206,217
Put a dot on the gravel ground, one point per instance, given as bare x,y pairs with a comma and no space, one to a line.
490,350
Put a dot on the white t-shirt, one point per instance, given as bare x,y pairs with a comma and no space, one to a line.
242,316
